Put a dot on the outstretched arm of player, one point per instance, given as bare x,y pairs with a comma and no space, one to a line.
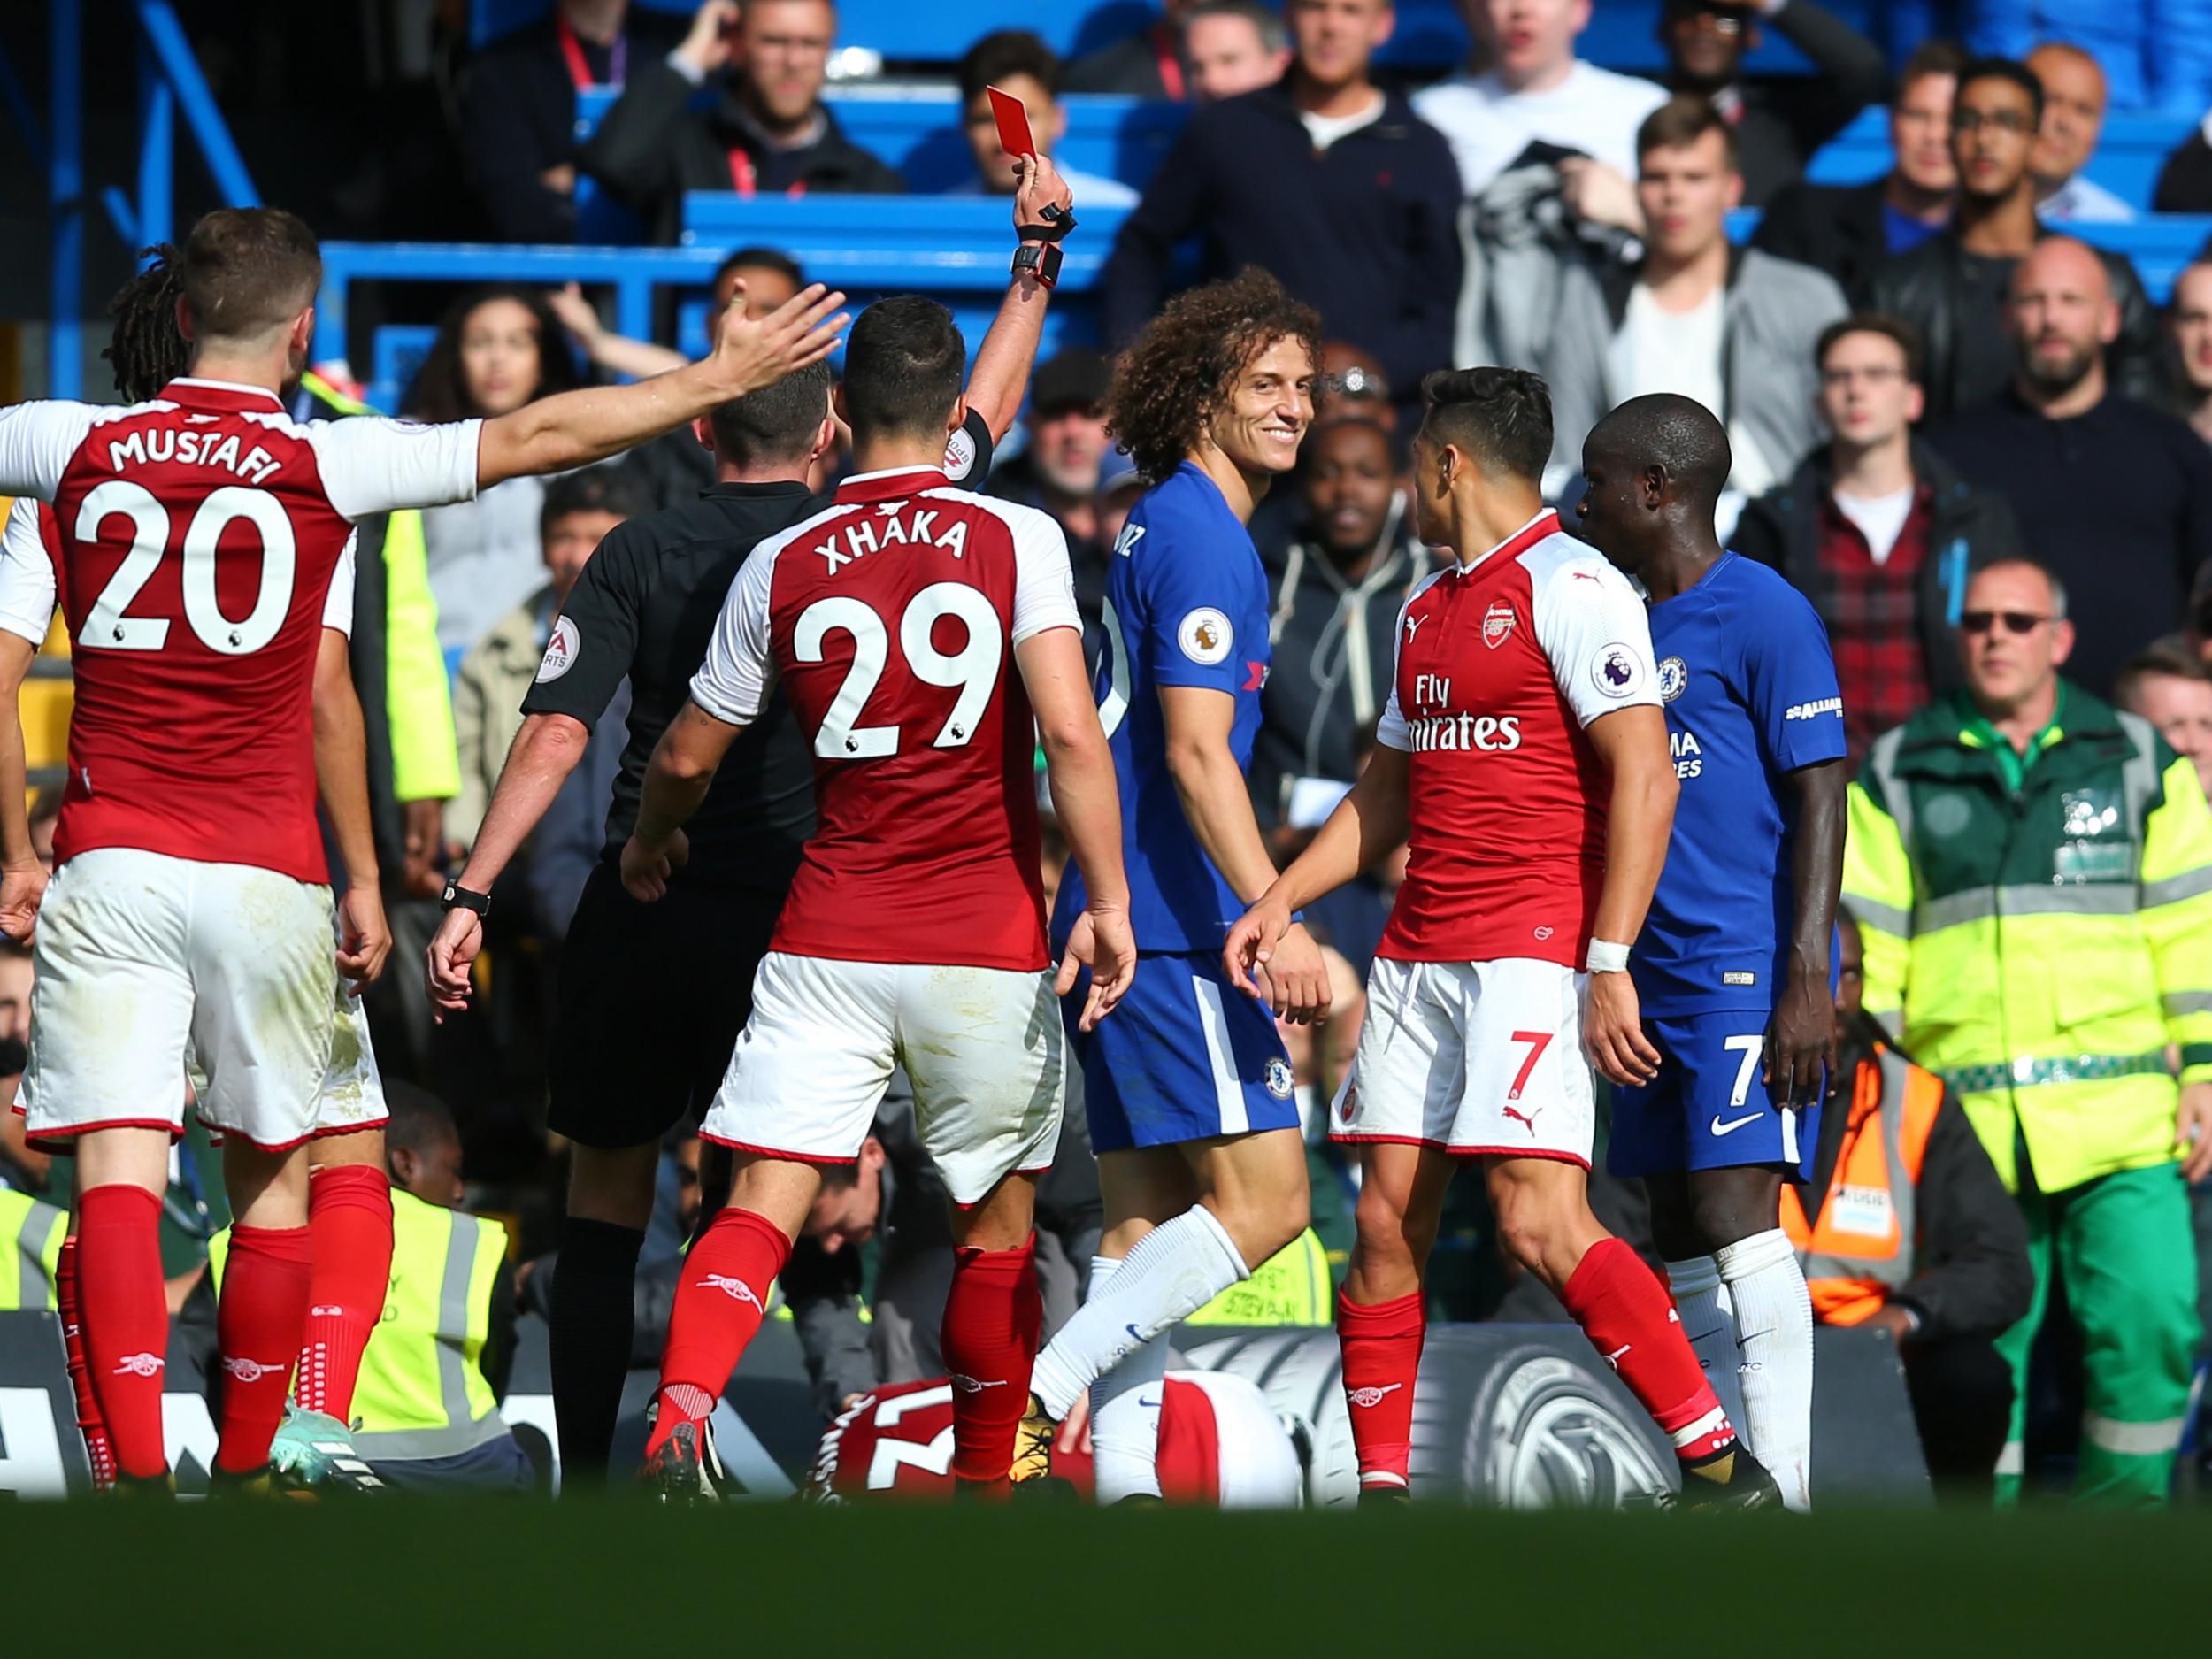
22,878
1218,808
1631,743
1003,361
342,779
544,752
1802,1036
1368,822
1088,801
575,428
682,769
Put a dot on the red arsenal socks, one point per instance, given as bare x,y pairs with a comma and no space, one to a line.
98,1452
258,1320
350,1213
1621,1308
125,1319
992,1320
720,1301
1382,1353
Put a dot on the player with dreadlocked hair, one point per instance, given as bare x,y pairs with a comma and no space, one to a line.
350,1213
147,349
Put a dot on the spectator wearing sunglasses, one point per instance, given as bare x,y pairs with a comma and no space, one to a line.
2032,871
2112,494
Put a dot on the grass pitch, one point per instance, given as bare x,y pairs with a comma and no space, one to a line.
403,1578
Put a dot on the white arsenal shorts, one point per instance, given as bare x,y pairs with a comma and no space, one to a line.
141,958
1475,1058
983,1047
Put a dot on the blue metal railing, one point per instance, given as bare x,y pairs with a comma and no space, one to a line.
169,85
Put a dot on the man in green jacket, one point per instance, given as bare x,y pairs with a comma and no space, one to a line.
2032,872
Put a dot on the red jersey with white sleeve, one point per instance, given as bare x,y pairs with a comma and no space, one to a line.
192,548
891,618
1501,665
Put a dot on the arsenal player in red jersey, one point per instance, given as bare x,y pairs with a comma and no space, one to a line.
1523,752
928,640
197,537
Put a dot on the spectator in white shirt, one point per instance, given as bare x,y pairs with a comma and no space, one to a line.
1734,329
1534,89
2074,100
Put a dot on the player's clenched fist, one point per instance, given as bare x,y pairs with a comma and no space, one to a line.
646,866
452,955
364,938
1102,942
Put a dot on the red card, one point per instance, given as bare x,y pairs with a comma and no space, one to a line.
1013,123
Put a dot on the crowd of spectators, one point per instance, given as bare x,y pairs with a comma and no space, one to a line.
1924,378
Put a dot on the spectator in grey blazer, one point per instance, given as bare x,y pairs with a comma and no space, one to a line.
1734,329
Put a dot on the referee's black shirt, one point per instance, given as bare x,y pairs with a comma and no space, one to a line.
644,609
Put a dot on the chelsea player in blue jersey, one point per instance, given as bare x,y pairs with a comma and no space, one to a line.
1199,1157
1733,966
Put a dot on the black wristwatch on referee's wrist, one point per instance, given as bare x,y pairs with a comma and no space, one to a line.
1042,260
457,897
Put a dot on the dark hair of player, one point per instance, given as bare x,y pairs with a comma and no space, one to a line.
145,349
1677,435
904,360
247,272
1499,418
1906,337
777,423
1186,362
592,489
2005,69
438,392
1681,121
1003,54
761,259
1929,57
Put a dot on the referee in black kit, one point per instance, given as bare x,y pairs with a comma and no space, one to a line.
652,996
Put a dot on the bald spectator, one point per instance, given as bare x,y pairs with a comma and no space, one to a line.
1849,230
1146,65
1526,86
1326,180
2171,688
2074,97
1353,383
2114,496
2189,321
1779,123
1234,46
764,133
1952,289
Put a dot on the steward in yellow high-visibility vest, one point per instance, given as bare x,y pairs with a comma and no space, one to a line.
426,1407
2033,871
1905,1226
31,1233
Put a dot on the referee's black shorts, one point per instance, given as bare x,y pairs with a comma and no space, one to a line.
652,998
